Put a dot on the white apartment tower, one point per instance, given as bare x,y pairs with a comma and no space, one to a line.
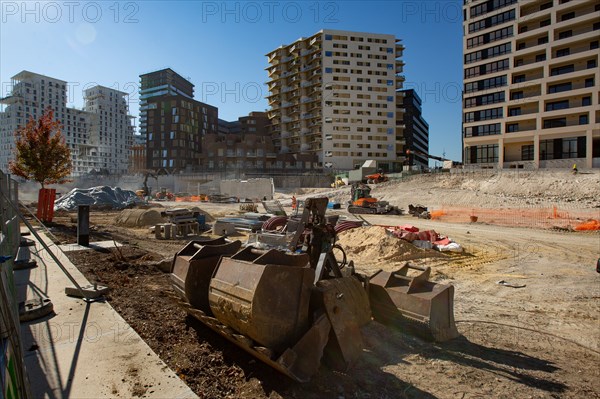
32,93
531,83
111,132
334,94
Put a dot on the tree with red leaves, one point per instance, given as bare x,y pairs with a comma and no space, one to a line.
41,153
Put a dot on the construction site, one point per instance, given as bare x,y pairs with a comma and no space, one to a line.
471,284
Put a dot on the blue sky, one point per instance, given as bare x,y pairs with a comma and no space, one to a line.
220,47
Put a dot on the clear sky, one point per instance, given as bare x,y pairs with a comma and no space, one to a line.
221,46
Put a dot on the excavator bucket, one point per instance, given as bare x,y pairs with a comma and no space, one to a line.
263,295
193,267
414,303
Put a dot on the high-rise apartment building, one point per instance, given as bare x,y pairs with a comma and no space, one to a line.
333,95
165,82
111,132
416,131
173,122
531,83
175,128
98,139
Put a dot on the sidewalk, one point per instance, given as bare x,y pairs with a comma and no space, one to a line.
85,350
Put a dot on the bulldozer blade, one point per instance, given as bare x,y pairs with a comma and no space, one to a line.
347,307
416,304
194,265
299,362
269,303
304,359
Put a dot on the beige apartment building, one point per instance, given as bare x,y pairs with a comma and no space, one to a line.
531,83
334,95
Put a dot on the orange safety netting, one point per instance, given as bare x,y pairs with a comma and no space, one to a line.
540,217
588,225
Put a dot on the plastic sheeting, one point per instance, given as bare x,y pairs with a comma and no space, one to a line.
105,196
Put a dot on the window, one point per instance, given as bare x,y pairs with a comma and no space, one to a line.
518,78
569,148
591,64
527,152
557,88
583,119
482,130
565,34
594,45
512,127
519,63
516,95
567,16
520,46
328,53
543,40
554,123
585,101
328,37
484,99
514,111
562,52
553,106
485,84
546,149
492,21
328,70
540,57
490,37
545,6
589,82
545,22
488,53
482,154
562,70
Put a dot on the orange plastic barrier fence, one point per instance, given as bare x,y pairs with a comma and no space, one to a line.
45,209
191,198
542,217
588,226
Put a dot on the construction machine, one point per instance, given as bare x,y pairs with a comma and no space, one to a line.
375,178
299,308
363,203
146,191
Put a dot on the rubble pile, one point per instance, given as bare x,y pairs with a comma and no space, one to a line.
101,196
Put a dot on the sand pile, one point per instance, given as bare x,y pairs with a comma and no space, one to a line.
372,245
139,217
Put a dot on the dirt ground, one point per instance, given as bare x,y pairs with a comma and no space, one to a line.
539,341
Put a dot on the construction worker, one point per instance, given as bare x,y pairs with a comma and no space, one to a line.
293,202
574,168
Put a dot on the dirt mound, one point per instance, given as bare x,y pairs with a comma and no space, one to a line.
372,245
139,217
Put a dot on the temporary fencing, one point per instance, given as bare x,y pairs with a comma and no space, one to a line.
13,378
544,217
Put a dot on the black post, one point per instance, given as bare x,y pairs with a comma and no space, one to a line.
83,225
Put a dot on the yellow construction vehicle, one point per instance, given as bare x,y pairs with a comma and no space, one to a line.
338,183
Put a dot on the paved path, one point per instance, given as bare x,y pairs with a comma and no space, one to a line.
85,350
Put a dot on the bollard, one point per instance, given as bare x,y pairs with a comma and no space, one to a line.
83,225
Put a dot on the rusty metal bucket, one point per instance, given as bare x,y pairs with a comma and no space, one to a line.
193,267
264,296
414,303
